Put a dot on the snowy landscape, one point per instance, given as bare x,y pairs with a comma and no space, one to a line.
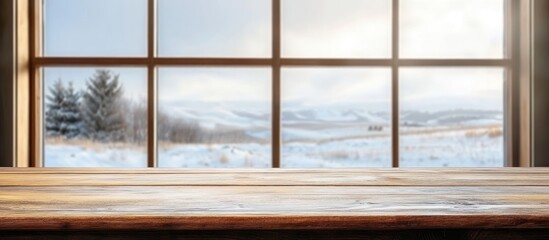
220,116
95,123
311,139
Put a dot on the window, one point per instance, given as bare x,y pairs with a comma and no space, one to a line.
272,83
325,123
214,117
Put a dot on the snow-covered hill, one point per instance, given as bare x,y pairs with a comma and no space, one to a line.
451,117
321,137
251,116
331,115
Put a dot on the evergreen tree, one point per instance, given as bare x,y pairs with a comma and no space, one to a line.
72,124
102,107
54,118
63,116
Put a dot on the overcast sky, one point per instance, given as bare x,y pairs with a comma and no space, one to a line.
310,28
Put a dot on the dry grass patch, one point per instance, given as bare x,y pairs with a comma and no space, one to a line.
91,145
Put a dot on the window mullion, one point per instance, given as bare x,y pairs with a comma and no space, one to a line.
152,87
276,86
395,90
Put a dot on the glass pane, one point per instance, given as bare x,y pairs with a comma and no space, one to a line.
451,28
451,117
214,28
336,117
336,29
95,28
214,117
95,117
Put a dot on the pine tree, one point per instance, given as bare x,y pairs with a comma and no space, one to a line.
63,116
102,107
54,118
72,124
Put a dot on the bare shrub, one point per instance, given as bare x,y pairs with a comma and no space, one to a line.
338,154
494,132
178,130
228,136
474,133
223,159
136,121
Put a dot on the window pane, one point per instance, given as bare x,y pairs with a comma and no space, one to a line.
451,28
214,28
95,117
214,117
451,117
336,29
336,117
95,28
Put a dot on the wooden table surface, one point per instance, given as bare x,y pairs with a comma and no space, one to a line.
177,199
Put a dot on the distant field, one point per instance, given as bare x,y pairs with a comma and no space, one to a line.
457,146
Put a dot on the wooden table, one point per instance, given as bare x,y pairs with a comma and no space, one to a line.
504,203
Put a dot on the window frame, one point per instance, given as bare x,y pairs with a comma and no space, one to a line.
516,143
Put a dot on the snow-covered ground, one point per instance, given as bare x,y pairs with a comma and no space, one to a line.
451,148
312,138
478,147
72,155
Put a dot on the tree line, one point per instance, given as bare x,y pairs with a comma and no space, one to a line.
100,113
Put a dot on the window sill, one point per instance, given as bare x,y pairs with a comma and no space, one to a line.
273,199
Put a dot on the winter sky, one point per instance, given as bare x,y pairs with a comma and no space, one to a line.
310,29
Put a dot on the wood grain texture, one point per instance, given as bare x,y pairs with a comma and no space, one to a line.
22,86
270,177
359,199
423,234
